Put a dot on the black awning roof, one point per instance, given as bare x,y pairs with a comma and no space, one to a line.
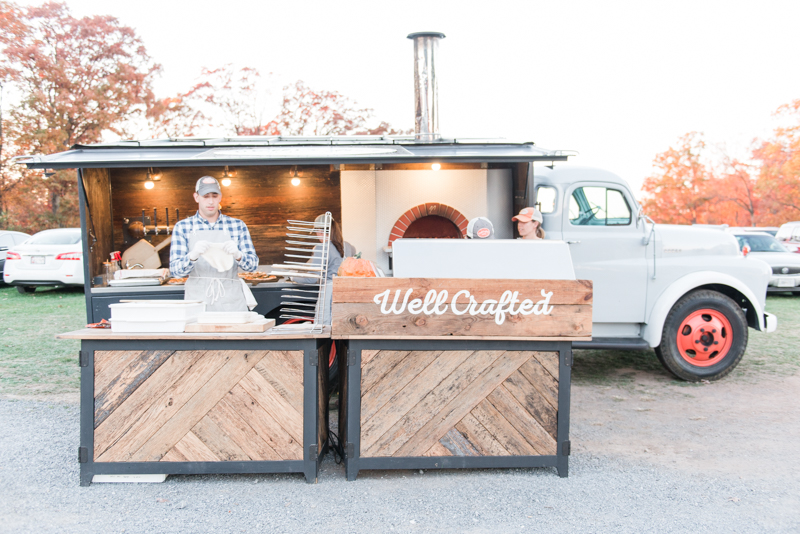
191,152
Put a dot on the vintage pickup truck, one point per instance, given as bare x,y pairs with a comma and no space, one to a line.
687,292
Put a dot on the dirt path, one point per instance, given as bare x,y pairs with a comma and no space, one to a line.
731,427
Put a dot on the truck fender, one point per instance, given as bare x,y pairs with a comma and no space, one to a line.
655,324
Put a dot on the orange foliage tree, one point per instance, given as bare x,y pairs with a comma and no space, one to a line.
76,79
690,186
678,191
307,111
236,102
779,176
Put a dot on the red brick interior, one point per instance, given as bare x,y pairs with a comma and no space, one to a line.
423,210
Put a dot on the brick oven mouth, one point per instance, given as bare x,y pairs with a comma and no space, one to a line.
431,220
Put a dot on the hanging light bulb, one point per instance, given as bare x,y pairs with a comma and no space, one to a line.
295,178
226,177
436,166
149,183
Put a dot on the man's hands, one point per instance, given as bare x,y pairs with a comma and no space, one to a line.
231,248
199,248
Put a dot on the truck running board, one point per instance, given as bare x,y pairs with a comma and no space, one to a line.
616,343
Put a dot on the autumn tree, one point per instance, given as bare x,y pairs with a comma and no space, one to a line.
779,176
306,111
76,79
677,192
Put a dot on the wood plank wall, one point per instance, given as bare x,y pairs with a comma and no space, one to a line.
262,196
98,195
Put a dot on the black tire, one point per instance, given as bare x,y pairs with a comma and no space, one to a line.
668,352
26,289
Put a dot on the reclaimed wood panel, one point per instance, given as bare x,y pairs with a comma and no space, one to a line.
98,196
391,307
527,423
119,388
140,406
261,196
107,364
269,399
408,410
474,432
460,404
363,290
265,425
205,406
563,322
241,433
394,381
194,450
533,401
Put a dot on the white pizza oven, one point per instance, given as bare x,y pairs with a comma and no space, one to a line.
380,206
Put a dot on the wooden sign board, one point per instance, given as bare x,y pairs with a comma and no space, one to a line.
436,307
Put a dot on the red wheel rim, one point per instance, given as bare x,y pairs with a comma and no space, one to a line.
705,337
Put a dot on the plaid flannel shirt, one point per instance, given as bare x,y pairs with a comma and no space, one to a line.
179,263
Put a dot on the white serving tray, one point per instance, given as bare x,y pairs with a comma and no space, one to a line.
156,310
150,326
135,282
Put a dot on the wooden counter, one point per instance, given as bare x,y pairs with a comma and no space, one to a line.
457,373
202,403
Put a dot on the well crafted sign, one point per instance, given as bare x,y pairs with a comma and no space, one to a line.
463,302
393,307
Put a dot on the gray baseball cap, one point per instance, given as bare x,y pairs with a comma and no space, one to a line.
206,185
480,228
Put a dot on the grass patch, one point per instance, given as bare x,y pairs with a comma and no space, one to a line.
32,361
775,354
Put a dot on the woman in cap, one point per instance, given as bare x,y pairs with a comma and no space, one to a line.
529,224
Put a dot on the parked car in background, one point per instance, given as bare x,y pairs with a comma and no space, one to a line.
789,236
8,239
785,265
771,230
49,258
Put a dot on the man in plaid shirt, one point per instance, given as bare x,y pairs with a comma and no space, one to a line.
208,217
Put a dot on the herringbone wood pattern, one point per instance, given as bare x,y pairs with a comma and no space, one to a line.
458,403
198,406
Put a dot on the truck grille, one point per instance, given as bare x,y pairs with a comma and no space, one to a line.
789,270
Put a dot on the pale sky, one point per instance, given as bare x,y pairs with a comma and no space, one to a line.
616,81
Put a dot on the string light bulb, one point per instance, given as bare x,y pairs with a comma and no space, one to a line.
226,177
150,183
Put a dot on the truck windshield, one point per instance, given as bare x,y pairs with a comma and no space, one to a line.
760,243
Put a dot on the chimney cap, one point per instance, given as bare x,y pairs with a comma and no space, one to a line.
440,35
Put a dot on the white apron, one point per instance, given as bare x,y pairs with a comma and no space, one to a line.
221,291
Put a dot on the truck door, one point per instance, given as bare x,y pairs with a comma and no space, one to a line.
606,247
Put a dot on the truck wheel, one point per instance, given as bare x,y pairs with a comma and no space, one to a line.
25,289
704,337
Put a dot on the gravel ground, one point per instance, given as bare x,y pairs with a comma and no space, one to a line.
604,493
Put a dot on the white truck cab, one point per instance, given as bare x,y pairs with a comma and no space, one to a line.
687,292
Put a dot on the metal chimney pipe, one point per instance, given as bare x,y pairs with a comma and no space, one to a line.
426,89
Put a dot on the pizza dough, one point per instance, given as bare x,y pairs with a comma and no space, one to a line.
218,258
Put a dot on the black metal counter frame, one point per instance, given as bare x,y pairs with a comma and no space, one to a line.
314,408
551,450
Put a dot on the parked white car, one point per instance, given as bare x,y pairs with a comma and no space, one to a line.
789,235
8,239
688,292
785,265
49,258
